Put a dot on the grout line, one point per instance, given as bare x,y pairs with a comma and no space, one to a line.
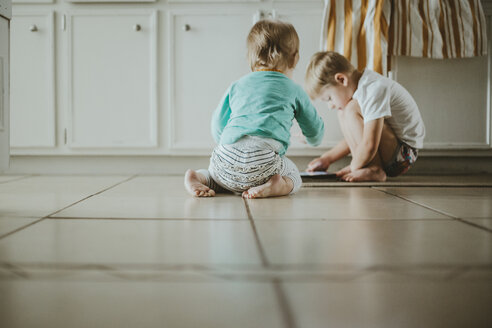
308,185
456,218
21,228
48,216
416,203
474,224
239,219
17,179
240,269
144,219
261,250
283,302
16,271
95,194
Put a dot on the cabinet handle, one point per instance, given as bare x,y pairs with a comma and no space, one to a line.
137,27
186,27
33,28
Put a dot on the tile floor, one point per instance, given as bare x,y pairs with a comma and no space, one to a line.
137,251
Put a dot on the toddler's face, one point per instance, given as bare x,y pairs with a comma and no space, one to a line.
337,96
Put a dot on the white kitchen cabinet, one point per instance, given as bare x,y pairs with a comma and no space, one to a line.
208,53
33,81
4,92
128,79
112,80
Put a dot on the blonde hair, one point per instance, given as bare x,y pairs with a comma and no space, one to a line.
322,69
272,44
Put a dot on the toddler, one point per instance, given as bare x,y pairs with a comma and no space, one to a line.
379,119
252,123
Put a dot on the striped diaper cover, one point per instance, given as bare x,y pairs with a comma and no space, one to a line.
241,166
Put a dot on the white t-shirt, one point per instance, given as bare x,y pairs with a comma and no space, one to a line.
379,96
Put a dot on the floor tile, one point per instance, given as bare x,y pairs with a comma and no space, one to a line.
477,275
9,275
479,180
10,224
47,303
106,273
157,197
132,241
361,244
10,178
458,202
42,195
339,203
394,304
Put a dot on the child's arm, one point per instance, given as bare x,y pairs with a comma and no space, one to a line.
369,145
374,109
311,124
323,162
220,117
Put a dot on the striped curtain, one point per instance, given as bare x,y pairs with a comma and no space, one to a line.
438,29
358,29
368,32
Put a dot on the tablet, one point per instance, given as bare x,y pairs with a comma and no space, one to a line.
318,175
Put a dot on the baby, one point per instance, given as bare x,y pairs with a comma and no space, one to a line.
252,123
380,121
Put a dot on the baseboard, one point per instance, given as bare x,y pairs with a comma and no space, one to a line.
145,165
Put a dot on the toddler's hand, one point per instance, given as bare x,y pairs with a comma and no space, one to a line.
318,164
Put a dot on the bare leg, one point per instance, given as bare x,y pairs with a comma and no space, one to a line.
276,186
343,171
374,170
369,173
352,126
195,184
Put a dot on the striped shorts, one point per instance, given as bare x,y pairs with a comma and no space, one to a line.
248,163
403,159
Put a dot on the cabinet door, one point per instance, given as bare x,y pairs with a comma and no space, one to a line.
308,26
208,53
32,81
112,59
4,94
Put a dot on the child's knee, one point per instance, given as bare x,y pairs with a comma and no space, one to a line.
295,185
295,180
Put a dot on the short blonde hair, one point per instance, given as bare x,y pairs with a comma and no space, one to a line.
272,44
322,69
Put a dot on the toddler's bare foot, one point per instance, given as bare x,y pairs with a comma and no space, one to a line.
346,170
373,173
195,184
276,186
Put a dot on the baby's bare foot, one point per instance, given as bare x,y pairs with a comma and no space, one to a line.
373,173
195,184
276,186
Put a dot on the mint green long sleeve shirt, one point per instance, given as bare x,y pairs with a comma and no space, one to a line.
264,104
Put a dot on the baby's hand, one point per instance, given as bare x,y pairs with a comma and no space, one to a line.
318,164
